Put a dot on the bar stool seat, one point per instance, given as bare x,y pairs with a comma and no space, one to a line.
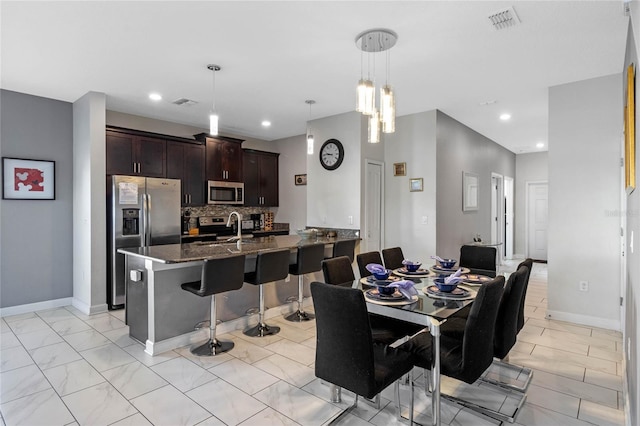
308,259
270,266
218,276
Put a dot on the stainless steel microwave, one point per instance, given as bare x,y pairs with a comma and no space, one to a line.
220,192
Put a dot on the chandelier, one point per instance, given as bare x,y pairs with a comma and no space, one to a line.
374,41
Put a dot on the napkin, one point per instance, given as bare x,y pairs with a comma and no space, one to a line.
438,258
454,278
375,268
409,262
405,287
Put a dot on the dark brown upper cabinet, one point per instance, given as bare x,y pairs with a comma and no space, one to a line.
131,154
223,157
260,178
185,161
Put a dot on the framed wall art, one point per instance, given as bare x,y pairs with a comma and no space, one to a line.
630,133
415,185
399,169
300,179
24,179
469,191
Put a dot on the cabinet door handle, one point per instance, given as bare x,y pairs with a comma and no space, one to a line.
189,198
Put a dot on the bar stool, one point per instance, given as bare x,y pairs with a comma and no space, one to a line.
343,248
308,259
218,276
270,266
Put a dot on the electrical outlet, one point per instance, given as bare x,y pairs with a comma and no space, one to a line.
584,285
350,220
425,220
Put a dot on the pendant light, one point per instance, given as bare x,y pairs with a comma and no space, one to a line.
375,41
310,139
213,115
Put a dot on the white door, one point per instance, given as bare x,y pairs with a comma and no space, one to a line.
537,220
373,212
497,214
508,217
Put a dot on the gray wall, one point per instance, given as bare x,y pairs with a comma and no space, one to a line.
585,125
413,143
461,149
36,236
531,167
292,207
632,295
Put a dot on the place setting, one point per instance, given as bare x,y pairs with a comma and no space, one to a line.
447,266
412,269
448,288
388,290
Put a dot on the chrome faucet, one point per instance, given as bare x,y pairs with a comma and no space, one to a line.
239,226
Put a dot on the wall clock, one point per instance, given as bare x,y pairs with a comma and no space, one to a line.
331,154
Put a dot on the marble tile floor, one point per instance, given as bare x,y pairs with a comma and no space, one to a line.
61,367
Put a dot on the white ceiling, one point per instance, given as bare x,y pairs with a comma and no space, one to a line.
275,55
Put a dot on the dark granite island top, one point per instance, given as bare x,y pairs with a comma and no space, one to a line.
162,316
177,253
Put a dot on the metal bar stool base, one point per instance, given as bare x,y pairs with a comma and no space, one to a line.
261,330
211,348
299,316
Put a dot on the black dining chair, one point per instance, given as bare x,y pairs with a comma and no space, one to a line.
393,257
479,259
363,259
467,359
348,357
529,264
506,330
343,248
338,272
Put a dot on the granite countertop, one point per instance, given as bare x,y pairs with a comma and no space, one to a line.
177,253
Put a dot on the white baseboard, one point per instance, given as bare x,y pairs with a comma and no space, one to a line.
33,307
87,309
588,320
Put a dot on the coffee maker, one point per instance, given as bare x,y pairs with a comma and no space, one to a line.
258,221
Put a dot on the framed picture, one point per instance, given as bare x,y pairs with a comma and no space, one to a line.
469,192
28,179
415,184
300,179
630,133
399,169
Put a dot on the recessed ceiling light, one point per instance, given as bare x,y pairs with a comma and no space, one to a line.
540,145
505,117
266,123
155,96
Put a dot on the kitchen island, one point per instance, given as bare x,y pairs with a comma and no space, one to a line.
160,314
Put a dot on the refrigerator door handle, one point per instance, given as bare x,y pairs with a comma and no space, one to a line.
146,204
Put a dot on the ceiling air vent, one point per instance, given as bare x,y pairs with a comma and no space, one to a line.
504,19
184,102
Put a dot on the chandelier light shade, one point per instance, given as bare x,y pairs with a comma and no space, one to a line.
374,127
213,115
374,41
366,98
310,140
387,109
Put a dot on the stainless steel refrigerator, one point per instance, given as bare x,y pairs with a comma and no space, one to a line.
141,212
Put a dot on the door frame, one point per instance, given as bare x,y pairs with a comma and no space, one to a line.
365,230
497,212
509,183
527,187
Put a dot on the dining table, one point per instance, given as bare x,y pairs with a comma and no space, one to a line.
429,308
